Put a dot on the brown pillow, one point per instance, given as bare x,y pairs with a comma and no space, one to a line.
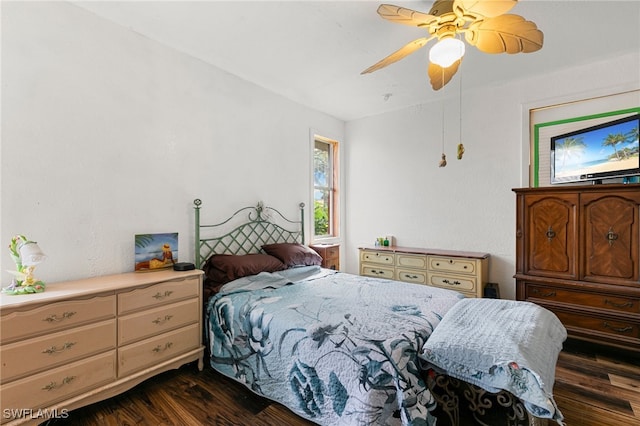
222,268
293,254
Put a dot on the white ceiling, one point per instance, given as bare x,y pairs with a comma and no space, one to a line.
312,52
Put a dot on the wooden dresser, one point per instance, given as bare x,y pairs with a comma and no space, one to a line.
330,254
83,341
463,271
578,255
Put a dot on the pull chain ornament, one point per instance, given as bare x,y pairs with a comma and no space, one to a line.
443,161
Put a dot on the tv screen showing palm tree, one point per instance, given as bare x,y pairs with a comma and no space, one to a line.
608,150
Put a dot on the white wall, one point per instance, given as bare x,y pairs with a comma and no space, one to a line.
394,184
106,134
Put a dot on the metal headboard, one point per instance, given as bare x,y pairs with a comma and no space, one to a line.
257,228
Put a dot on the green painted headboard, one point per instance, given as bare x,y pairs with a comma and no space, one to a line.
245,231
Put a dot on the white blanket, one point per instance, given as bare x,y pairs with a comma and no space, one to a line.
501,344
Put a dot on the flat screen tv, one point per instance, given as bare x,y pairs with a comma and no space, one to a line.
608,150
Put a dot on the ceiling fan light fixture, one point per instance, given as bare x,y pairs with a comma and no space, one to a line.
446,51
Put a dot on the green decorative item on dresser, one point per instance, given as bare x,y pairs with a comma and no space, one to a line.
26,254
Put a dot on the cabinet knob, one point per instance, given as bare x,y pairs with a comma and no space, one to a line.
611,236
617,329
550,234
538,293
54,349
159,348
628,304
55,385
55,318
160,296
160,321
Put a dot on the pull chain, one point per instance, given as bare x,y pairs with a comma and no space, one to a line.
460,145
443,159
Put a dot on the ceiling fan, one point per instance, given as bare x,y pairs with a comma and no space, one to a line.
483,23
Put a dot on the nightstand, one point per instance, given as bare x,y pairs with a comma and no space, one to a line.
330,254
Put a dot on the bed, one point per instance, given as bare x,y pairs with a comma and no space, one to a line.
338,348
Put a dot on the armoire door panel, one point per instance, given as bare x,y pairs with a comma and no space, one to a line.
611,232
552,238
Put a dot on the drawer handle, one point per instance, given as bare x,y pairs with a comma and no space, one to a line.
54,350
160,296
373,271
550,294
611,236
550,234
54,385
446,281
159,348
415,277
386,259
629,304
619,330
55,318
160,321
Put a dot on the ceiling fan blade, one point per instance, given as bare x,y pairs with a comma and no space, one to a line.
402,15
407,49
439,76
486,8
505,34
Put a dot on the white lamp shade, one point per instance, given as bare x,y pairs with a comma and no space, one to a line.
446,51
30,254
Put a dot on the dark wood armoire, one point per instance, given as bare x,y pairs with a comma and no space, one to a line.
577,254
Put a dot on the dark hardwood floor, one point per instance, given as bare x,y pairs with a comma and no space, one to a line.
594,387
598,386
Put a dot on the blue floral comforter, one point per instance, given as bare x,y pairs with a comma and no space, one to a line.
333,347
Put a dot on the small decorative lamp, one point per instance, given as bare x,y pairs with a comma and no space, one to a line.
26,254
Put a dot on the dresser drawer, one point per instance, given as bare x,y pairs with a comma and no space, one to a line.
159,294
144,324
412,276
56,316
332,253
453,282
596,300
376,271
33,355
452,264
411,261
590,324
150,352
377,257
63,382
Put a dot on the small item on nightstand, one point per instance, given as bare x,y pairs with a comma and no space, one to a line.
492,291
184,266
386,242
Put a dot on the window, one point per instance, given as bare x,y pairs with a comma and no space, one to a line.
325,188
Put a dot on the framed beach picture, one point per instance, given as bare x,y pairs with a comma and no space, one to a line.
156,251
